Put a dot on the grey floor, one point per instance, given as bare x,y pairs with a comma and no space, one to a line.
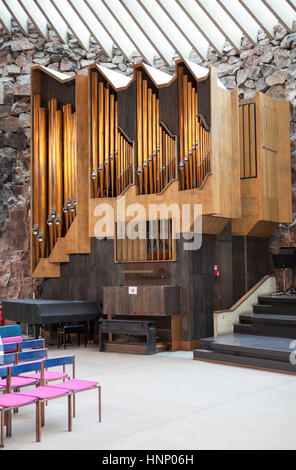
167,401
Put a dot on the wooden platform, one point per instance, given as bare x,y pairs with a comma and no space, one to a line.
261,340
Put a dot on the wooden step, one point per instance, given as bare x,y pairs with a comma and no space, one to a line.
276,309
273,330
284,320
277,299
249,351
243,361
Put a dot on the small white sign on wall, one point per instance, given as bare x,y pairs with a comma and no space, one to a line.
132,290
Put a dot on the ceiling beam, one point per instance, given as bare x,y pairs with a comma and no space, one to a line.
150,30
120,39
36,17
54,19
18,13
284,13
167,27
5,18
262,15
203,23
94,27
74,23
141,43
222,21
241,18
185,25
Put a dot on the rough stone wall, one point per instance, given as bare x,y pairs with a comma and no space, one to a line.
270,67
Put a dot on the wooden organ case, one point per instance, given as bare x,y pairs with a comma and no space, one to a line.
152,139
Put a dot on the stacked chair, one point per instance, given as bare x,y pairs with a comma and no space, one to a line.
30,368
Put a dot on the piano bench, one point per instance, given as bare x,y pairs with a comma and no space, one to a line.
64,332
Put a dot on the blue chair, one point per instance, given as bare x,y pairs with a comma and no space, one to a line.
11,336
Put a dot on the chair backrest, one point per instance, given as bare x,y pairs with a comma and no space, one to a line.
28,367
10,330
32,343
7,359
58,361
3,372
33,355
9,347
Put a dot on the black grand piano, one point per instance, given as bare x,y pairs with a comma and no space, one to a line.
45,312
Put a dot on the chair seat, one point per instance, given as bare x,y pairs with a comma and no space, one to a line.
46,392
48,375
76,385
14,400
7,365
18,381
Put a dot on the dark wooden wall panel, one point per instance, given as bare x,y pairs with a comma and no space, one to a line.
64,92
258,259
127,110
251,262
168,107
204,100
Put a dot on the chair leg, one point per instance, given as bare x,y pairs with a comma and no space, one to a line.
74,405
100,405
43,414
2,427
70,412
37,423
8,424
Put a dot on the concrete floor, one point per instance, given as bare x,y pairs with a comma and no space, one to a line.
166,401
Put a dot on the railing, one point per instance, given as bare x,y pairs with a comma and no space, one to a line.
248,140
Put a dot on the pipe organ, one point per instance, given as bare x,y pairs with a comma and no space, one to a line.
54,184
112,150
156,155
195,150
156,139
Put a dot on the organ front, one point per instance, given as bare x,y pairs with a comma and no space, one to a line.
153,138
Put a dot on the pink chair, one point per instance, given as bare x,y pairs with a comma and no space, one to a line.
45,393
10,401
74,385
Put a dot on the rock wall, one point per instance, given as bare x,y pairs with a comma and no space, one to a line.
270,67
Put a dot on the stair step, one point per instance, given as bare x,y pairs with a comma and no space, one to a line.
276,299
206,343
284,320
212,356
246,318
276,309
249,351
274,330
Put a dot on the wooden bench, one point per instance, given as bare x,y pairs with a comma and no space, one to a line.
130,328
